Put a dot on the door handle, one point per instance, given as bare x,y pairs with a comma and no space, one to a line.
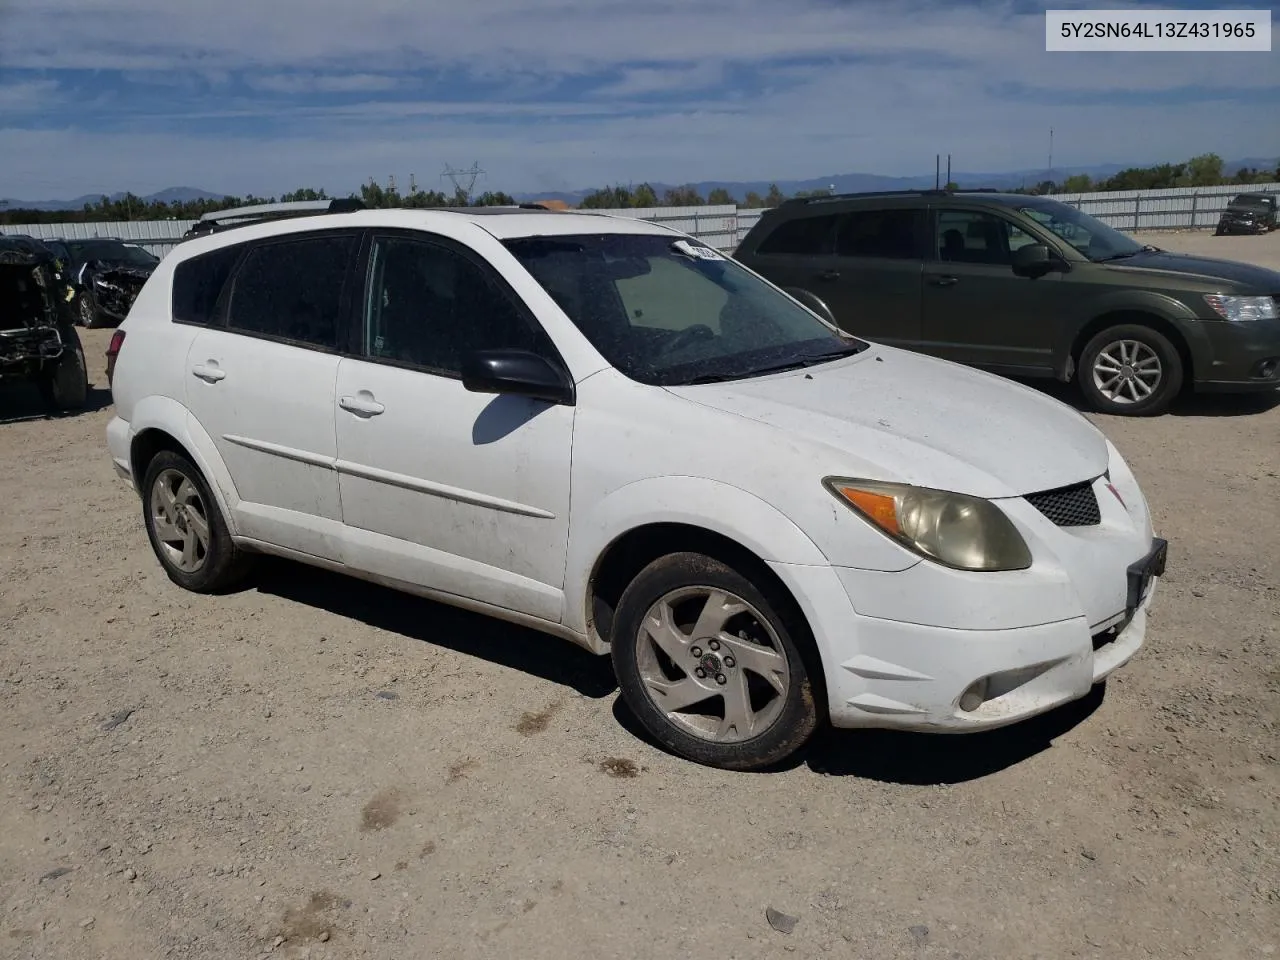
945,281
362,404
209,372
829,275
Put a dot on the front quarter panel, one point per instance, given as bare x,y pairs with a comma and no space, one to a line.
642,455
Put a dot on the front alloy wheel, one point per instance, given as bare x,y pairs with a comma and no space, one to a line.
710,666
1130,370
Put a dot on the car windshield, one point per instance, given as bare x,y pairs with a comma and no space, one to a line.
667,310
112,251
1089,235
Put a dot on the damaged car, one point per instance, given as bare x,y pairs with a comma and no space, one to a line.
38,338
1248,213
108,274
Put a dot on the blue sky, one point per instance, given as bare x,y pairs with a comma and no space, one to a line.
268,95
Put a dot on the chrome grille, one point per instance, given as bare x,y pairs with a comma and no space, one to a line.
1073,506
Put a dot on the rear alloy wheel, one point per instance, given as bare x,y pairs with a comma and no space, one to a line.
186,528
710,667
64,384
1130,370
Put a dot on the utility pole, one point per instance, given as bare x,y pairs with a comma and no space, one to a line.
948,169
937,170
413,185
1050,176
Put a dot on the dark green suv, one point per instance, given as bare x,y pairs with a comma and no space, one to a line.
1025,286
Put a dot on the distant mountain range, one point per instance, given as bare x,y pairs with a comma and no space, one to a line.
841,182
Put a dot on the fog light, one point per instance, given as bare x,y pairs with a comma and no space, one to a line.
1267,368
975,696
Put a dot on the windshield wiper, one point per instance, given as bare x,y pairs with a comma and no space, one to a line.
1117,256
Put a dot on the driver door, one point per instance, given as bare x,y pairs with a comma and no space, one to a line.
460,492
975,309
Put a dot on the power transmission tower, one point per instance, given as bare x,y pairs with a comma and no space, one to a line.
464,181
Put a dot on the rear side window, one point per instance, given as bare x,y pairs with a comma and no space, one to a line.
803,236
292,289
198,282
887,234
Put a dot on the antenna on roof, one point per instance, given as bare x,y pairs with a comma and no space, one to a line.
460,177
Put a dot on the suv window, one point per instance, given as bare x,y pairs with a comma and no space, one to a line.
971,236
292,289
429,305
801,237
890,234
198,282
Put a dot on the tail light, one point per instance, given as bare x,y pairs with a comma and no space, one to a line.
113,351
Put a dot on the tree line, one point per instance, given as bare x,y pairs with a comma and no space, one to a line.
132,207
1205,170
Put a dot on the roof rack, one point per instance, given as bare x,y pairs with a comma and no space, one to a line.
939,192
243,216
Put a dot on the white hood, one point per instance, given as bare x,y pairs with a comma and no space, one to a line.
900,416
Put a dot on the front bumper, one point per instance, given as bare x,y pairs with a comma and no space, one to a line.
892,674
1241,356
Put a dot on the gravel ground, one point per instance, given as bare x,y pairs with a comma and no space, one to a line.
315,767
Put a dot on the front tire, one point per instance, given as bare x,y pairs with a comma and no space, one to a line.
1130,370
713,666
186,528
65,384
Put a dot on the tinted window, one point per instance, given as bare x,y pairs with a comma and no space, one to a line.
429,305
292,289
803,236
968,236
112,251
666,311
198,282
878,233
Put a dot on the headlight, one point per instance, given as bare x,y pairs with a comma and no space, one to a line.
960,531
1242,308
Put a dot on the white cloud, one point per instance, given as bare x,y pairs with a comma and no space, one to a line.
324,83
848,86
27,97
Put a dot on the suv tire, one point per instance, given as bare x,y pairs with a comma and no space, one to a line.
64,384
727,647
1130,370
186,528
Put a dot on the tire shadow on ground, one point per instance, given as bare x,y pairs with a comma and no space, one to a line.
475,635
21,401
920,759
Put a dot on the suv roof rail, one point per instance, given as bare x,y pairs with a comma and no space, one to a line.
243,216
858,194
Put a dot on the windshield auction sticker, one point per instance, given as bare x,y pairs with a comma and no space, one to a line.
1178,31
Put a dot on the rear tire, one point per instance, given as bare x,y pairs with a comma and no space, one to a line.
1130,370
693,638
186,528
65,384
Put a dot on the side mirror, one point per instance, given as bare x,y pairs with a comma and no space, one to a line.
1033,260
814,303
517,372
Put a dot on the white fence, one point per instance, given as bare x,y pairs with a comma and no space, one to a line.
725,226
1179,208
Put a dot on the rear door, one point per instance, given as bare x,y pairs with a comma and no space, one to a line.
260,384
798,254
877,267
976,310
